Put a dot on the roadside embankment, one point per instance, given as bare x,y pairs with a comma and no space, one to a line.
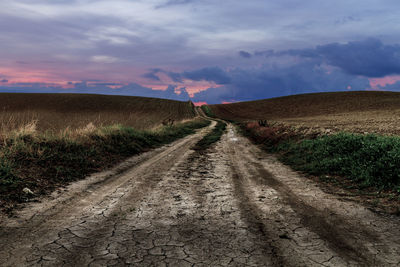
33,164
363,164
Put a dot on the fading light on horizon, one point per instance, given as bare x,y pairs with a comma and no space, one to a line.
214,52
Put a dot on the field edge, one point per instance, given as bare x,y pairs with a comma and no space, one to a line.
34,165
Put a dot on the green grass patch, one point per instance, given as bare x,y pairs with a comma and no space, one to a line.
42,162
367,160
207,110
211,137
370,160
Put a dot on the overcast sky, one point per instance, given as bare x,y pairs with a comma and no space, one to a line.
211,50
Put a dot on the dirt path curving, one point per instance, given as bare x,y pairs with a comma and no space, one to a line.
229,205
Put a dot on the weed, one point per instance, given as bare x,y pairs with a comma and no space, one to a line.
207,110
368,160
211,137
371,160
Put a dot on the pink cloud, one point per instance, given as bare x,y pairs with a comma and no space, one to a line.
382,82
199,103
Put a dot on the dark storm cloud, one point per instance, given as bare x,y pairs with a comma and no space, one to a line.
211,74
370,57
176,77
119,40
250,84
244,54
151,76
141,36
132,89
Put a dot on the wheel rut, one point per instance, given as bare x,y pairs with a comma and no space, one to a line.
230,205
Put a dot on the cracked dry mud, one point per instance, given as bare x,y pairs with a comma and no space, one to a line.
229,205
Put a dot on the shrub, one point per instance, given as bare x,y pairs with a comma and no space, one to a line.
211,137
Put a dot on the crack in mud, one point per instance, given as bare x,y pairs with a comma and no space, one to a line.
230,205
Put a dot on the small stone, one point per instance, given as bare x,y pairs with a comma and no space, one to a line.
27,191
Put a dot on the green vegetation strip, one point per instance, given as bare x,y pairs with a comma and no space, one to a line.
207,110
368,160
41,162
211,137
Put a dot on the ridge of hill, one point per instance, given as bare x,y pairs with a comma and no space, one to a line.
57,111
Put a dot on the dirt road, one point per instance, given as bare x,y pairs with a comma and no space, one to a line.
230,205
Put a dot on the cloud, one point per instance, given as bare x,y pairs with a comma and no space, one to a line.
244,54
346,19
390,87
132,89
80,36
4,81
210,74
171,3
370,57
267,82
151,76
107,84
104,59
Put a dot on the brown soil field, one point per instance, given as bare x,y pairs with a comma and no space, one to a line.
56,112
359,112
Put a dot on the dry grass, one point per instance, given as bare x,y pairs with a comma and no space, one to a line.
57,113
49,140
359,112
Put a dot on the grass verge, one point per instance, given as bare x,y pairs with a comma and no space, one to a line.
370,160
211,137
42,162
363,164
207,110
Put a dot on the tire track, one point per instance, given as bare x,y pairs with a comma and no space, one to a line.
87,204
230,205
342,241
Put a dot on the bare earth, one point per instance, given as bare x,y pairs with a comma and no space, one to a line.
380,122
230,205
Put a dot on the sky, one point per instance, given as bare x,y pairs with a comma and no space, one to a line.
213,51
